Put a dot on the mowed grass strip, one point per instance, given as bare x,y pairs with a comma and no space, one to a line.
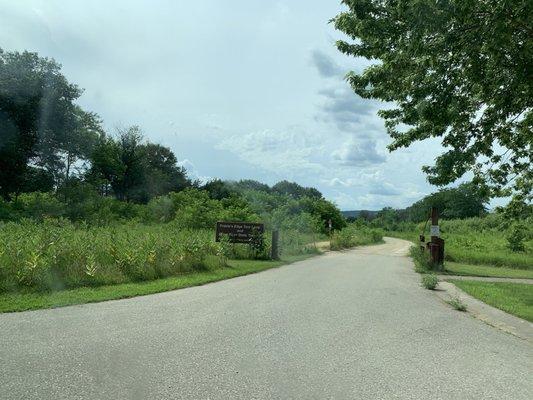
453,268
513,298
34,301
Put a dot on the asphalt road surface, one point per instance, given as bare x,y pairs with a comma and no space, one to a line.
351,325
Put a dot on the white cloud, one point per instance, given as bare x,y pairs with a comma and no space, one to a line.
192,172
325,65
288,153
255,91
358,152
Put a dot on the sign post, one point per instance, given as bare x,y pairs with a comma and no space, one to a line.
436,246
274,250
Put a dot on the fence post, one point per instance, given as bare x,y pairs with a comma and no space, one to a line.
274,250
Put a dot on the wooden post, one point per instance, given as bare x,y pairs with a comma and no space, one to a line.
437,244
274,250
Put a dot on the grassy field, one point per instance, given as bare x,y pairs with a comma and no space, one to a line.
513,298
57,263
31,301
478,247
453,268
485,249
58,255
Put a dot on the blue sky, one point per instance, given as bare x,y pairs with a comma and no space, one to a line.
237,89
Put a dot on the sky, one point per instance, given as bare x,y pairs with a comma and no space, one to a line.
238,89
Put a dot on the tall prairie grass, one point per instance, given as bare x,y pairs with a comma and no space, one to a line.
479,241
57,254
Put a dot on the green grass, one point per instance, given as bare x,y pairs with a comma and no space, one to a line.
478,248
34,301
353,235
485,248
453,268
411,236
513,298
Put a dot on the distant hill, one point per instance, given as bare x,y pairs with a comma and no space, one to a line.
356,213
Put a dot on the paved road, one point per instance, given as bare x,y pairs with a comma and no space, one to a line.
352,325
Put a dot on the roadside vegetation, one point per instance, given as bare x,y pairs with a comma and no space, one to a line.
47,249
430,281
457,304
355,235
87,214
33,300
513,298
477,243
453,268
473,236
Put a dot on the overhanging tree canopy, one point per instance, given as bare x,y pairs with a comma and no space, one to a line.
457,69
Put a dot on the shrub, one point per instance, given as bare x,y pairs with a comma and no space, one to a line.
160,209
354,235
516,238
430,281
38,205
456,303
420,259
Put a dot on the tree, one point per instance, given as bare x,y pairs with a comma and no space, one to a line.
162,173
59,151
36,180
250,184
120,164
135,171
325,211
461,70
296,191
464,201
218,189
37,118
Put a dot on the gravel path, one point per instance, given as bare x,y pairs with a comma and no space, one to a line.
345,325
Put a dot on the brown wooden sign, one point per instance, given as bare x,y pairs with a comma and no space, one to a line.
239,232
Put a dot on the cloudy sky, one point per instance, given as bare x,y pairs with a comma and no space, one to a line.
237,88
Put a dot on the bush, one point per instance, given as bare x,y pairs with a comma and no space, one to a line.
516,238
38,205
457,304
430,281
354,235
420,259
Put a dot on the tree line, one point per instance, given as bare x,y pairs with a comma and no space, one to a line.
468,200
48,142
56,160
465,201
